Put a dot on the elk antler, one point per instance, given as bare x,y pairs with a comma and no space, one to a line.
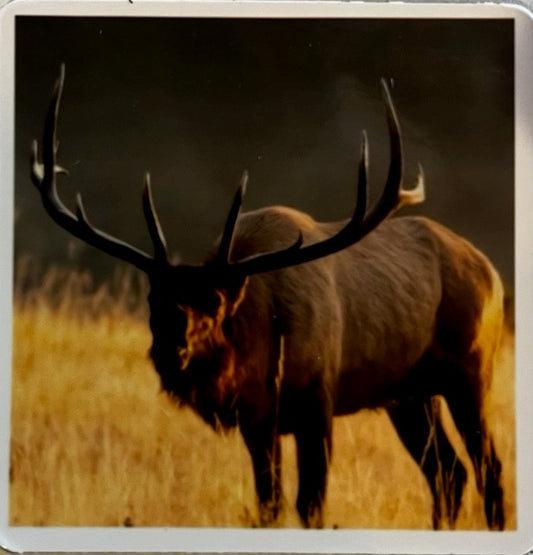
360,224
154,227
227,236
44,178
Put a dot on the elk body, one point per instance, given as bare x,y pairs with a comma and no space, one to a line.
290,322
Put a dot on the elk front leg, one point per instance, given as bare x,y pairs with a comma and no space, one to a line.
265,449
313,440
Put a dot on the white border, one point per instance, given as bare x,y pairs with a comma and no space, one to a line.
275,541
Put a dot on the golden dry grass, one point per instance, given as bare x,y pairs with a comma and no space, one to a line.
94,442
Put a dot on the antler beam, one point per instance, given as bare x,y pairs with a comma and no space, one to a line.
393,197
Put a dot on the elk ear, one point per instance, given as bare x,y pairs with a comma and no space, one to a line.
235,291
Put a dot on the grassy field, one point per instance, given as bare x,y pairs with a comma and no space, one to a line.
95,442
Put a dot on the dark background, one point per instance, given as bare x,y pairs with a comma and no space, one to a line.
197,101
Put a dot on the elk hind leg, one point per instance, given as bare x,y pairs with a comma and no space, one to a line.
466,389
419,426
466,400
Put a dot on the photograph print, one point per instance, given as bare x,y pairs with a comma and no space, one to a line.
264,273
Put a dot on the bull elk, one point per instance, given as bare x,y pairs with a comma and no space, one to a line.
290,322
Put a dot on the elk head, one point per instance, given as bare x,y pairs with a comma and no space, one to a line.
192,307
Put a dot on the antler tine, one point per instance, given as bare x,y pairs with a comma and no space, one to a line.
417,194
224,250
152,221
394,195
44,178
389,200
43,175
362,183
